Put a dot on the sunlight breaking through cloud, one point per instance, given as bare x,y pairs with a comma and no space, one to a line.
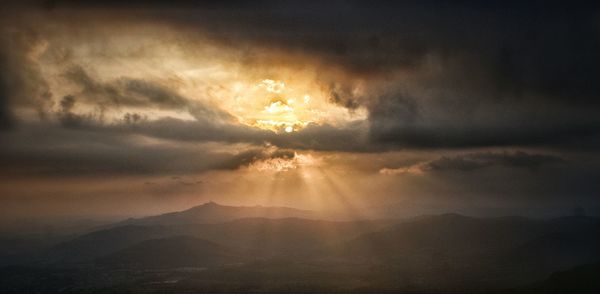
285,163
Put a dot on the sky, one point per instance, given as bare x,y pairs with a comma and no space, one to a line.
386,109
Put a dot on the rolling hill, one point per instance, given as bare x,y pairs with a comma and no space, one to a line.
258,236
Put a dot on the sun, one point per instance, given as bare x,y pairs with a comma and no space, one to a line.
281,112
284,106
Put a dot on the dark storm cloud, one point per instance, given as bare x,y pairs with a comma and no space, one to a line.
5,115
124,91
495,73
323,137
475,161
341,94
492,73
141,93
194,131
65,115
327,138
21,83
467,162
503,73
313,137
60,152
554,134
67,103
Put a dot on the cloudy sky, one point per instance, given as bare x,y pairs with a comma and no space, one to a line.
392,108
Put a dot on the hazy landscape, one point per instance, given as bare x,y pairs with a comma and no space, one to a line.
219,248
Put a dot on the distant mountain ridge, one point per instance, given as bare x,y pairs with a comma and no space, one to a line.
260,235
212,212
443,251
515,248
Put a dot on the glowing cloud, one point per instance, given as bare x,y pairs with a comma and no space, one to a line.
283,164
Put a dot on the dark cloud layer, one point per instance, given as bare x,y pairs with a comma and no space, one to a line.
503,72
475,161
61,152
124,92
498,73
21,83
5,118
141,93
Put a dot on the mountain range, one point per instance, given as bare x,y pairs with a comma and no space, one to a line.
285,245
212,212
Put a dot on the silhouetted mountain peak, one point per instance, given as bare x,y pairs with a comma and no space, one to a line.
211,204
453,215
207,205
213,212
